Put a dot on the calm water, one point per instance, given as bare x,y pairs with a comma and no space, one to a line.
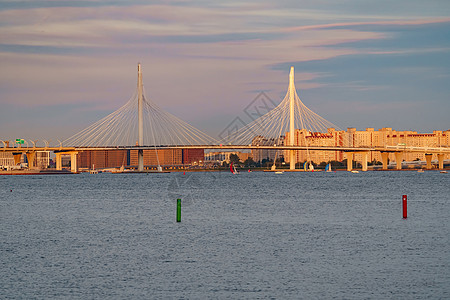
254,235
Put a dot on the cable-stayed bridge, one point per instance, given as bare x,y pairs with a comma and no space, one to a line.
140,124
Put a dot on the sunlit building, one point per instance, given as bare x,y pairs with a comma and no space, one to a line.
389,137
99,159
304,137
259,155
191,156
42,159
224,156
366,138
6,160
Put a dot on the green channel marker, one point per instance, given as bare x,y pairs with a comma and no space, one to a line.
178,210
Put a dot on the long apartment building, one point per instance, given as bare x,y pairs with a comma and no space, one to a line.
367,138
99,159
389,137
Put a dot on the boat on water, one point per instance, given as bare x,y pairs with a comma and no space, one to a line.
355,171
420,171
279,172
444,172
93,170
308,167
233,169
328,168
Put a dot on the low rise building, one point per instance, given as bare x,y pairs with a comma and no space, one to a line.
6,160
259,155
224,156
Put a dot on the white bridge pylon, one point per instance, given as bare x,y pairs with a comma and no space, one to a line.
282,121
139,122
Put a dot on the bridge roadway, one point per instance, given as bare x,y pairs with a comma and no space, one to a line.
397,150
435,150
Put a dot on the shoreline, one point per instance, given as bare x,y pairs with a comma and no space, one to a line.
67,172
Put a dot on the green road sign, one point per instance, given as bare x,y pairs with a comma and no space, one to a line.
20,141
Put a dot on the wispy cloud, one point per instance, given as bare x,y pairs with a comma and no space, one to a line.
208,57
378,23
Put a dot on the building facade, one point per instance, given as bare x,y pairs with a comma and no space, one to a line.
224,156
331,138
6,160
193,156
99,159
259,155
364,138
389,137
42,159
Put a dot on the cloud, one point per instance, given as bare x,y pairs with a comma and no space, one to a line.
205,60
358,25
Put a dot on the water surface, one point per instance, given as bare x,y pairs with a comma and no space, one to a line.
252,235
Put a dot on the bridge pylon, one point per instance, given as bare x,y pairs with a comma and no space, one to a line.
291,119
140,120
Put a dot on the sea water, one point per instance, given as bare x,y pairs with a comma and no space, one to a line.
252,235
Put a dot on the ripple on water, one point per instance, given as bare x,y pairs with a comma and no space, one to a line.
255,235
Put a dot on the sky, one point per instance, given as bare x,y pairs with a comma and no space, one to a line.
364,64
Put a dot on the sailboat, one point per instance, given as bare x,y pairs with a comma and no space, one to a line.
274,166
328,168
233,169
308,167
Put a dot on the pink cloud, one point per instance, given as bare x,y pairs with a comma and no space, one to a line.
390,22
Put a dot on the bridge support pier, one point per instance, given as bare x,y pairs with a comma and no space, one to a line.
141,160
349,156
31,158
441,160
73,162
58,161
365,156
385,159
291,159
17,157
428,157
398,160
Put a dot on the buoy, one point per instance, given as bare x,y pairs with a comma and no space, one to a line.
178,210
405,209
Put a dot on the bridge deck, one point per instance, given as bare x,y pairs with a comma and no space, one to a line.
240,147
